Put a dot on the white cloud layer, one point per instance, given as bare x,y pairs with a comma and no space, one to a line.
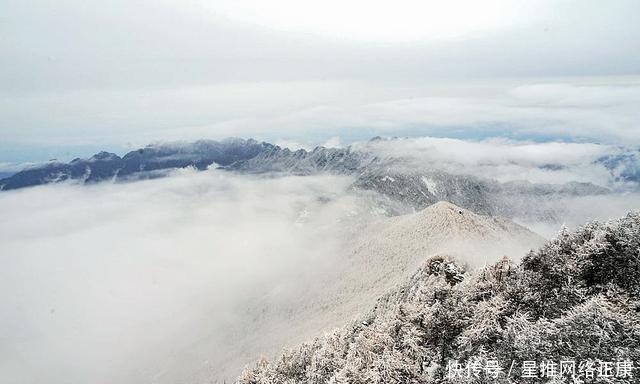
504,160
147,282
511,160
78,72
188,277
310,113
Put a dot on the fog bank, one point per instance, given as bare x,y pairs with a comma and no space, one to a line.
142,282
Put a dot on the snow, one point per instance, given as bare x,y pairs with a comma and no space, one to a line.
388,178
431,184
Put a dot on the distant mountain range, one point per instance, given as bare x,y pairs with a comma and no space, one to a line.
399,187
624,167
150,161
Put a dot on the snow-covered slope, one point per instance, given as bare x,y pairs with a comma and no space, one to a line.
446,228
376,259
415,188
389,251
569,300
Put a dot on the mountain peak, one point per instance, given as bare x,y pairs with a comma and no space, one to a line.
446,228
446,214
445,207
103,155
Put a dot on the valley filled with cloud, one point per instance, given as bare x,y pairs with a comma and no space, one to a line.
197,273
353,192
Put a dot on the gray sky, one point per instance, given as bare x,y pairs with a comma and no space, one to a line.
82,75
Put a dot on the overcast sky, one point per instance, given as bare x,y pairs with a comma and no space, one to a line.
78,76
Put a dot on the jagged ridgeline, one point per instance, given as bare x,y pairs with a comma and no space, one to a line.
399,185
575,299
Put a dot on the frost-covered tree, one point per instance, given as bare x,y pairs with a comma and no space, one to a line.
576,298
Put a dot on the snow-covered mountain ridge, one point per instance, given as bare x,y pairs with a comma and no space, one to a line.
397,184
374,260
575,299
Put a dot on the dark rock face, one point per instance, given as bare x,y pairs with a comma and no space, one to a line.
247,156
100,167
109,166
419,189
624,167
302,162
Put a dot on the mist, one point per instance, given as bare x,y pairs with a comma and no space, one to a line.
75,80
170,276
552,162
148,281
192,276
577,211
507,160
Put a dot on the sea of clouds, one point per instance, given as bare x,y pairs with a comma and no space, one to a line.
147,281
191,276
507,160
